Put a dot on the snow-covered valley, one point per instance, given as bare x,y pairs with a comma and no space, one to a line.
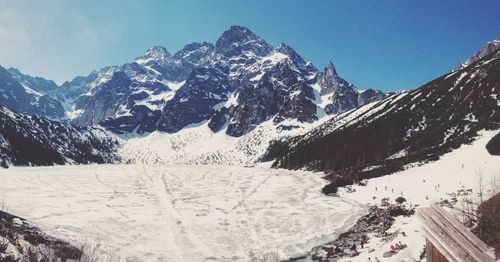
179,213
198,144
460,174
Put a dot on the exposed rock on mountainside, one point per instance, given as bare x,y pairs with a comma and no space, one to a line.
36,83
384,136
240,84
493,145
330,81
342,96
29,95
487,49
282,92
195,101
33,140
22,242
228,81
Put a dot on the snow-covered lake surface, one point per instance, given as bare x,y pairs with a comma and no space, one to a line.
179,213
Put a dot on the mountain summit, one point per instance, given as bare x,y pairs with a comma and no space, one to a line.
487,49
233,87
237,39
156,54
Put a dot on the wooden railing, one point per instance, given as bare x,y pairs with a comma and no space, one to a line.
448,240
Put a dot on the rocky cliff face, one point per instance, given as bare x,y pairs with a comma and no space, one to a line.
341,95
196,100
34,140
487,49
281,93
265,83
27,94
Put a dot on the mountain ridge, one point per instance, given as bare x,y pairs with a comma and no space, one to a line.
383,137
239,57
241,92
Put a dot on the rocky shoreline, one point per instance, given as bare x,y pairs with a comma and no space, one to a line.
373,225
20,242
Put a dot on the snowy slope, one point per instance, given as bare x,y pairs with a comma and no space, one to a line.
29,95
487,49
427,184
34,140
198,144
179,213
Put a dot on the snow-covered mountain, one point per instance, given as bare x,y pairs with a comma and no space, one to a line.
34,140
26,94
340,95
241,90
220,103
235,85
385,136
487,49
122,96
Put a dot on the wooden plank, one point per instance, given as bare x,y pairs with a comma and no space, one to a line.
450,237
432,233
457,236
430,254
442,241
429,249
447,245
465,232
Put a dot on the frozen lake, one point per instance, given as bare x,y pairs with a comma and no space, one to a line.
179,213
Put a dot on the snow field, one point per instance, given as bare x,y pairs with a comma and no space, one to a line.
180,213
427,184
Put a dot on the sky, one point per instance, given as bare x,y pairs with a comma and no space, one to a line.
390,45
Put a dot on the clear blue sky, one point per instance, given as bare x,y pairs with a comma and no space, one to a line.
389,45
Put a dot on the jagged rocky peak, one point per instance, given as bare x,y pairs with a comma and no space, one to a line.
27,94
487,49
330,70
408,127
329,81
282,93
238,39
290,52
155,53
194,52
36,83
306,67
195,100
34,140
